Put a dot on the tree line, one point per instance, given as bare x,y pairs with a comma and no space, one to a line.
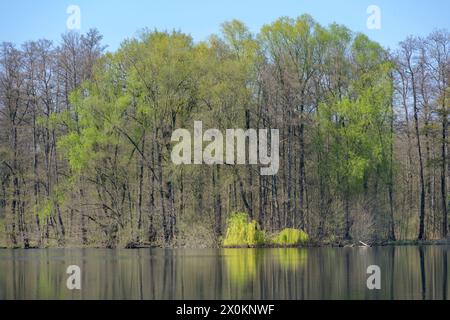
85,136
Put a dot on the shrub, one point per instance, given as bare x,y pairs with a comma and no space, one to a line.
240,232
289,237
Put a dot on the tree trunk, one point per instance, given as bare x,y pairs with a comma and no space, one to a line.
444,194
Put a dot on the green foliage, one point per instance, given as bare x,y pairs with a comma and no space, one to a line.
46,210
289,237
329,91
354,127
255,236
240,232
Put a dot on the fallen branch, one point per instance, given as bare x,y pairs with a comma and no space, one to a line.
364,244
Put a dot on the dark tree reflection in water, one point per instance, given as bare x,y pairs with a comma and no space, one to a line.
408,272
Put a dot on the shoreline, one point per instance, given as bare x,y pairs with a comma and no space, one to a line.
312,244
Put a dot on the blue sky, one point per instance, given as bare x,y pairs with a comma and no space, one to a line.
22,20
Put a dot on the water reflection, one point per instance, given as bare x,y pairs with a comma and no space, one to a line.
315,273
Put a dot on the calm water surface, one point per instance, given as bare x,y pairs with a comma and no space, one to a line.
315,273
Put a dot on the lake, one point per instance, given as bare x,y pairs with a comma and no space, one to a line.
407,272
